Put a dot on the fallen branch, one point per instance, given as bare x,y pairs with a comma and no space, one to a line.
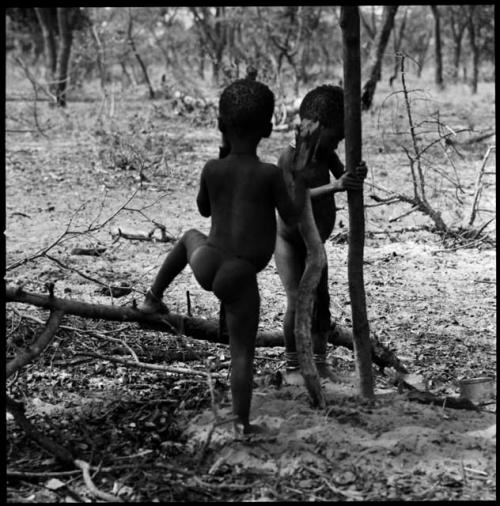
58,451
42,341
478,138
143,236
99,494
152,367
197,328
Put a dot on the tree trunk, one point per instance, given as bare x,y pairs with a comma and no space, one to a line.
144,69
474,49
47,23
377,54
197,328
438,57
398,39
352,113
422,54
63,53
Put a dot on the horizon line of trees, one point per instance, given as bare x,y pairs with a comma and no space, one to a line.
292,44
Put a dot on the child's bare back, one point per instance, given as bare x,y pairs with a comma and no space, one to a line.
244,193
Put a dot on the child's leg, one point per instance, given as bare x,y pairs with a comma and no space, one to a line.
321,326
173,264
290,264
236,285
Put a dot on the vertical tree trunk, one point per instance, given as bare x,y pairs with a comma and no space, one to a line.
47,24
352,112
63,53
423,53
474,48
131,42
438,57
397,39
377,55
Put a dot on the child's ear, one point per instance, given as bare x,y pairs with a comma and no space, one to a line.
266,132
221,125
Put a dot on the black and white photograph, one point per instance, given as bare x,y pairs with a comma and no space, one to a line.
250,253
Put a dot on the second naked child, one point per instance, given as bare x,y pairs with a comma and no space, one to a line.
325,105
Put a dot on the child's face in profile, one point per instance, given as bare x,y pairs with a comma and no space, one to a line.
329,140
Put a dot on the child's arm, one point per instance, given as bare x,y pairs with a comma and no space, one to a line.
202,199
346,182
336,166
289,202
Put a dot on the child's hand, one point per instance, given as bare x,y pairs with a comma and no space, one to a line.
350,182
361,170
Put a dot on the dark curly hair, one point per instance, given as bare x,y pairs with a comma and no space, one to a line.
324,104
246,106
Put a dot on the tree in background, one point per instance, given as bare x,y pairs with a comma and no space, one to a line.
377,55
438,56
58,25
456,17
480,27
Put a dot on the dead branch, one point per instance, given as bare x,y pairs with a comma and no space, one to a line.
99,494
41,342
17,411
70,233
478,138
143,236
478,186
314,265
197,328
151,367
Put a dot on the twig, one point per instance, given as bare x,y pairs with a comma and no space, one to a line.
333,488
49,474
478,186
116,340
99,494
413,137
17,410
412,210
153,367
38,346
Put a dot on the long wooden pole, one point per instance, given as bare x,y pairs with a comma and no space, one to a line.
349,22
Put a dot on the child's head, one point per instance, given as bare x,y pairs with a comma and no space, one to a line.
326,105
246,108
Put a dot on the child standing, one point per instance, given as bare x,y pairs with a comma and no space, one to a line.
324,104
241,194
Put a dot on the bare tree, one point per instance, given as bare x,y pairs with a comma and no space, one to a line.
58,26
457,20
212,29
378,49
438,57
133,47
397,38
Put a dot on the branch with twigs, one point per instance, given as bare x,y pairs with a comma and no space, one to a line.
418,200
72,233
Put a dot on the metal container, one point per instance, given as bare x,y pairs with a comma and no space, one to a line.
478,389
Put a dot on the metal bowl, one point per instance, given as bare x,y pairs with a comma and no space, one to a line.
478,389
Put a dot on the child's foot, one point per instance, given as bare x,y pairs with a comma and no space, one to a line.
153,305
248,428
293,377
